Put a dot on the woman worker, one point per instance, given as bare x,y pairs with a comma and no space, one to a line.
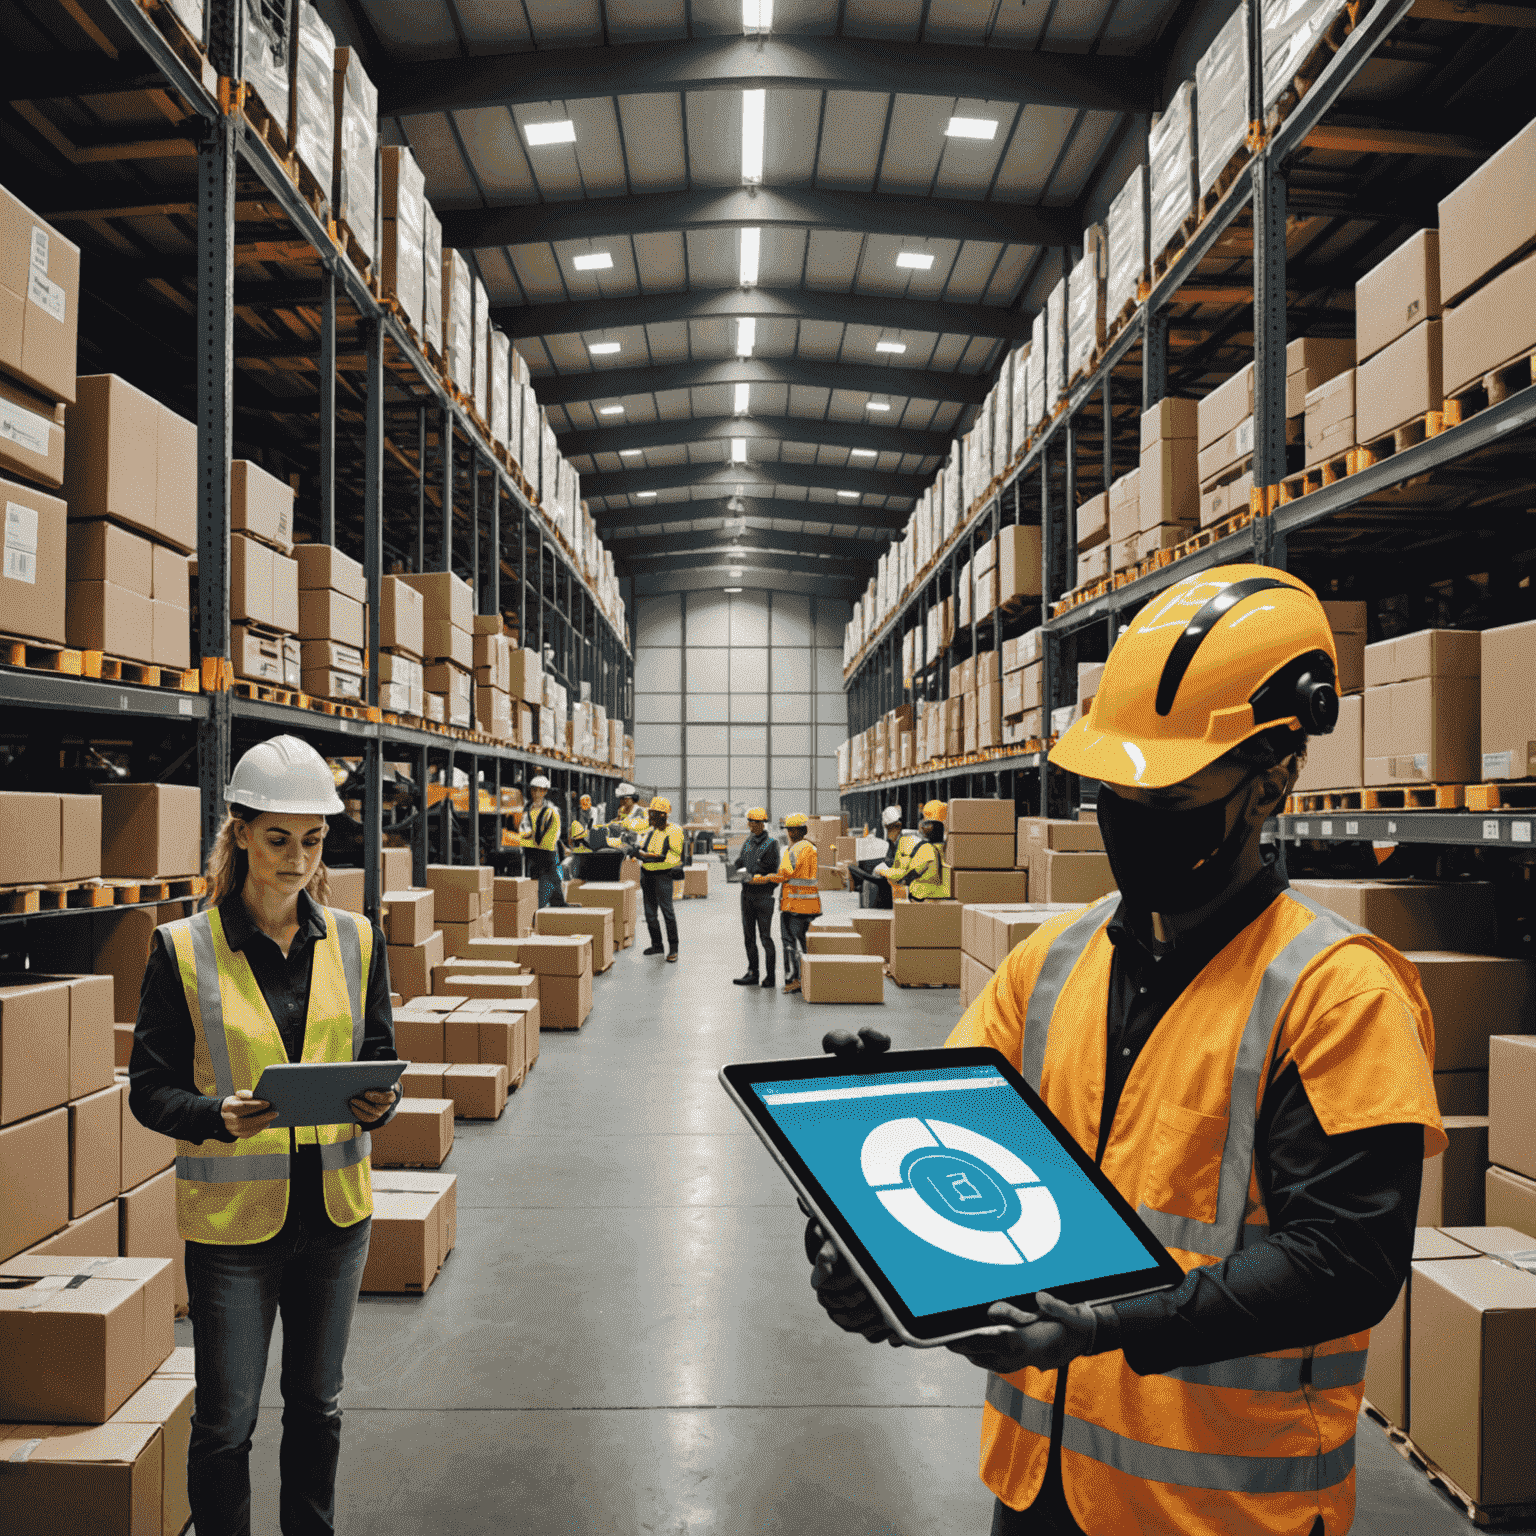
274,1220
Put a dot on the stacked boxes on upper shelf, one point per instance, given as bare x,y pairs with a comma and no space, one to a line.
263,578
1336,760
402,637
333,623
493,650
1422,708
1225,438
448,644
1022,718
1398,340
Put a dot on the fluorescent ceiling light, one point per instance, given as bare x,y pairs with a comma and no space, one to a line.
751,246
874,405
596,261
862,453
743,398
628,453
604,348
730,589
610,410
756,15
971,128
550,133
919,261
644,495
884,346
746,335
735,572
849,494
738,450
754,112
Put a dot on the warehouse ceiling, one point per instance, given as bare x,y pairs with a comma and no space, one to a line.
774,336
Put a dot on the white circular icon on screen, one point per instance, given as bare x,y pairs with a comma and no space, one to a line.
960,1191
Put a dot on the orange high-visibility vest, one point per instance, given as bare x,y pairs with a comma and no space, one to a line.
796,879
237,1191
1262,1443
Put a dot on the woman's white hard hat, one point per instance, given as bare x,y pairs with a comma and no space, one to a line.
627,789
889,814
538,781
285,776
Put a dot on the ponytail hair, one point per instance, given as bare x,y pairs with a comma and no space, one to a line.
228,865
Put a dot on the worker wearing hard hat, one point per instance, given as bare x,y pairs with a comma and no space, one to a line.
630,822
583,836
1251,1071
922,869
898,849
661,866
759,856
539,836
799,895
266,973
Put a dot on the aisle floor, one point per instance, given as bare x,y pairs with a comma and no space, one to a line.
624,1339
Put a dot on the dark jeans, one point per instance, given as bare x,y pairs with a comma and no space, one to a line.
656,888
542,864
792,929
309,1272
757,921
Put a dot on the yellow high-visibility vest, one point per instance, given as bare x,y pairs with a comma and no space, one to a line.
540,828
661,848
924,873
236,1192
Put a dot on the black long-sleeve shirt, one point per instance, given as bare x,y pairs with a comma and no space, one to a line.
758,856
1341,1208
161,1091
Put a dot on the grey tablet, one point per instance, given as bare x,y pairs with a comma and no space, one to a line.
316,1092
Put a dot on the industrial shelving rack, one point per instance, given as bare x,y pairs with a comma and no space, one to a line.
1261,267
255,249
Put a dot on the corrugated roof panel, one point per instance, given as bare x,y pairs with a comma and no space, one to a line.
674,404
496,274
978,356
714,138
832,257
536,355
619,280
852,129
781,258
430,139
1018,26
792,122
495,152
914,144
1036,143
1081,156
894,19
568,354
712,338
1074,25
492,26
539,273
1009,274
670,456
660,262
714,258
968,164
818,17
1132,27
556,171
777,338
973,267
653,142
820,339
415,28
565,23
598,149
712,400
806,401
948,352
669,343
766,400
851,405
958,21
879,268
649,21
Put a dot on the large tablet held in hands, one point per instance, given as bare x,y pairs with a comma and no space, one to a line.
948,1185
316,1092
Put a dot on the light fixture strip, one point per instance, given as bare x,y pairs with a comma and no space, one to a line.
563,132
754,112
738,450
746,335
751,249
743,398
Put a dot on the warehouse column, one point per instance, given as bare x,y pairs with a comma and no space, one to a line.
1154,357
373,575
216,175
327,370
494,596
446,555
473,802
1050,642
474,525
421,488
1268,344
419,855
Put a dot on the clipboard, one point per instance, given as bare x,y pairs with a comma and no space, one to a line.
316,1092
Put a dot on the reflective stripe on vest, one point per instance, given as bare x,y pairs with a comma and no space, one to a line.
1183,1469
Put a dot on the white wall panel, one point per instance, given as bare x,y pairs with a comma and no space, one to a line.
793,707
829,671
792,741
791,672
658,708
712,740
791,619
749,707
749,739
658,619
657,670
709,707
749,618
708,669
708,618
749,669
793,774
655,740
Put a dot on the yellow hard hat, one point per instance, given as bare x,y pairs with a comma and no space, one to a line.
1217,658
795,819
935,810
586,802
757,813
659,804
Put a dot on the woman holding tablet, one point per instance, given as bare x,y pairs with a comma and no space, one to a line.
273,1219
1250,1072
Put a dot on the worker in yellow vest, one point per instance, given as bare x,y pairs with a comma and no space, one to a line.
898,849
630,822
799,895
661,866
539,837
275,1220
923,870
1252,1072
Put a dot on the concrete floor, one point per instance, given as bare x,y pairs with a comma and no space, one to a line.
624,1339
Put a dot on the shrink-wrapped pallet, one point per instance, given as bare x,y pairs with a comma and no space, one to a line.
1055,344
533,417
312,95
1019,405
190,14
514,407
1085,303
403,196
1002,417
500,350
1171,169
458,318
1037,360
1125,239
482,350
1292,29
1221,98
354,188
267,53
549,466
431,278
953,490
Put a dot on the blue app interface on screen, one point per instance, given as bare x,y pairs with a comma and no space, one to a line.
958,1191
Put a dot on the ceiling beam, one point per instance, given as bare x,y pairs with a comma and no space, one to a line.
520,321
647,514
693,580
838,570
780,62
873,213
870,482
861,378
783,429
717,541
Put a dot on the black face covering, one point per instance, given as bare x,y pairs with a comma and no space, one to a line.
1168,860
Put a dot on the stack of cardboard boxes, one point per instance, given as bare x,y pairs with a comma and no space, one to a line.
1320,368
415,1219
823,833
464,895
1510,1182
979,847
873,927
415,942
1123,511
1336,760
562,964
1422,708
1167,492
130,482
1398,339
1006,567
596,922
263,578
1225,434
402,636
448,645
516,901
925,943
622,897
1508,712
493,649
1065,860
1022,718
989,933
1093,539
46,839
333,623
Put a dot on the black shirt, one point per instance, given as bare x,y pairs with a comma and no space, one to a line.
1341,1209
161,1091
759,855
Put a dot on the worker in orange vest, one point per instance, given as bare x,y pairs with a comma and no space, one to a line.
1249,1070
799,895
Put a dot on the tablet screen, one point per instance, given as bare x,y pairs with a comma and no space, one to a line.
958,1190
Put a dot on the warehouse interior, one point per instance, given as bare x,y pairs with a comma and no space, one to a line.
778,407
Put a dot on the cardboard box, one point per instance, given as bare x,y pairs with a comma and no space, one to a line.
328,615
478,1089
39,301
405,1247
409,917
1472,998
410,966
1171,417
171,638
1472,1356
324,566
843,978
1310,362
1508,705
150,830
101,616
33,569
849,943
1511,1092
925,967
1329,423
989,885
1069,877
1033,832
556,954
1093,521
120,945
261,505
564,1001
596,922
874,931
147,1226
1412,914
445,597
974,977
1491,327
1336,761
1424,653
1169,487
1451,1192
1424,731
30,838
419,1135
1227,452
101,551
34,1179
926,925
1399,384
1018,562
1509,1200
1093,565
1398,293
34,1046
980,816
980,850
1226,405
402,615
1489,217
1347,620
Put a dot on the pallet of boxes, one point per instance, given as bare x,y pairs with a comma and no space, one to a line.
552,968
448,646
824,833
515,905
621,897
493,649
525,688
980,844
264,644
1023,718
989,933
1065,861
836,967
333,624
402,637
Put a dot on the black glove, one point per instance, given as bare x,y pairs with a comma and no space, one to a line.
858,1049
839,1291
